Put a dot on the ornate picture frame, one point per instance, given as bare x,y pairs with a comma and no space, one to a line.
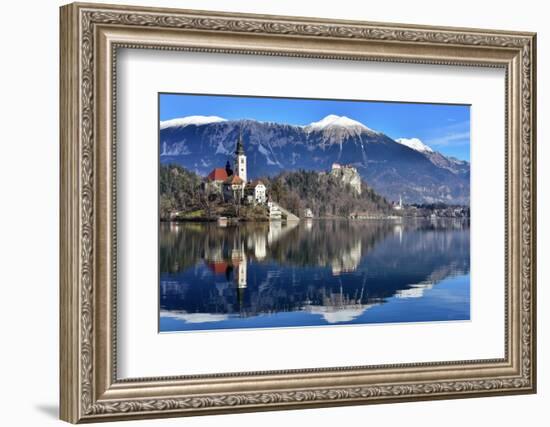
90,37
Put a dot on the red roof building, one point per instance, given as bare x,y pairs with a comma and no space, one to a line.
234,180
218,174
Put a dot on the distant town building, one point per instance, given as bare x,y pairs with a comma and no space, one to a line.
308,213
399,206
348,175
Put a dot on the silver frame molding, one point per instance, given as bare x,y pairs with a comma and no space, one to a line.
90,37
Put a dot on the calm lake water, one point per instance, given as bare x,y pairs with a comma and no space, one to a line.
311,273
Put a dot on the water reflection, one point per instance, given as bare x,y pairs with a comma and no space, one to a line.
312,273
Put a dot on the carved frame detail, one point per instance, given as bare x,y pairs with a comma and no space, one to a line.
81,397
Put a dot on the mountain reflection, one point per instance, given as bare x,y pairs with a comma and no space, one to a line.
327,271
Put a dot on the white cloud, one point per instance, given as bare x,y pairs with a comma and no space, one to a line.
454,133
460,138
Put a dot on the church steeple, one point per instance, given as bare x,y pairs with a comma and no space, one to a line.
240,158
240,148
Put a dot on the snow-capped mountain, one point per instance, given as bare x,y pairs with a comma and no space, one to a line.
415,144
332,120
394,169
190,120
334,129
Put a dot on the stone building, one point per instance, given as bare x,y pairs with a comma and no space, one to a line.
348,175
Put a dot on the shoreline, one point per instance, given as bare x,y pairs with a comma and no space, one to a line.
334,218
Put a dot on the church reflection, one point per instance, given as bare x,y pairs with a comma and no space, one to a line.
332,270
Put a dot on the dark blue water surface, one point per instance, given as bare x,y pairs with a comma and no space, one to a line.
311,273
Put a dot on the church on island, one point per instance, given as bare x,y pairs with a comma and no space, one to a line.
233,184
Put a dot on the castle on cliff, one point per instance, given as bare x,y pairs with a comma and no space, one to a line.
348,175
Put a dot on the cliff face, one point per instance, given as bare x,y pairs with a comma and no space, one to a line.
348,175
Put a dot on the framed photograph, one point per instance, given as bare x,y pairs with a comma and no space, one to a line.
267,212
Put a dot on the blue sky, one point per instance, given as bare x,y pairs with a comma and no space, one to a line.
444,127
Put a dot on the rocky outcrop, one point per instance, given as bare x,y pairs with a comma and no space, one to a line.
348,175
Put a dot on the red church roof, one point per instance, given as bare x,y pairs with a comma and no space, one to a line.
218,174
234,180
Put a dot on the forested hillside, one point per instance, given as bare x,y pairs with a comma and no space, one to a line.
179,190
324,194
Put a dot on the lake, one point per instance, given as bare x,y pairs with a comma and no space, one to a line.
313,273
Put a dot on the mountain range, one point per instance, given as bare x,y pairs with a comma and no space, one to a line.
395,168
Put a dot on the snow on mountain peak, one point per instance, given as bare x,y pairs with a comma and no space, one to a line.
332,120
190,120
415,144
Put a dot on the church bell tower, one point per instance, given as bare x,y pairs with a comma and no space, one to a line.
240,159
